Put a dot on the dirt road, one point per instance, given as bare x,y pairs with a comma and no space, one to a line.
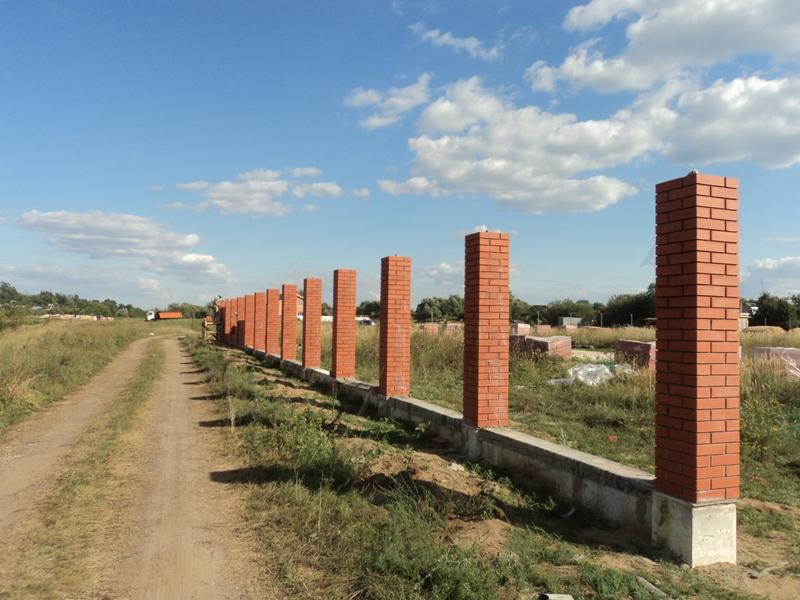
184,537
33,452
164,530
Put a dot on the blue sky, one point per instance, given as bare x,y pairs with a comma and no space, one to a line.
172,151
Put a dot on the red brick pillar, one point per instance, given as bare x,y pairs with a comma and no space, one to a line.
395,323
697,337
289,322
250,320
260,329
240,316
228,319
312,321
273,335
343,355
486,314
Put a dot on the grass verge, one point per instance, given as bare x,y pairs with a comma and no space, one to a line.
74,515
358,508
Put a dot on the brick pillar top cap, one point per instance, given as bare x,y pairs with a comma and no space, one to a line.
344,270
497,235
695,178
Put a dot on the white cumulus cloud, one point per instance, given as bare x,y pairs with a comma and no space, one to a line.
472,141
469,45
103,235
389,106
320,189
259,192
668,38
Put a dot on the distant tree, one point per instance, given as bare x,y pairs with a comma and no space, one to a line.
189,310
8,293
774,311
519,310
429,309
582,309
326,309
641,306
369,308
437,309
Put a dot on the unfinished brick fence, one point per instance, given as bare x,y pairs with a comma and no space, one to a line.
688,506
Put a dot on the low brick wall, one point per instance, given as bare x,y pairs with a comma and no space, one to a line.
556,345
639,354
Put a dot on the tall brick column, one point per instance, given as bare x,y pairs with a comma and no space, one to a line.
289,322
312,321
273,335
240,316
343,355
228,320
249,320
697,337
486,322
395,324
260,329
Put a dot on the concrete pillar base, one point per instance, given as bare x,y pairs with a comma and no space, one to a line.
698,534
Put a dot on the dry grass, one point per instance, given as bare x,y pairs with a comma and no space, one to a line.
40,363
76,511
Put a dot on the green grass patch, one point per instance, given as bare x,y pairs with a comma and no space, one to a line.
332,527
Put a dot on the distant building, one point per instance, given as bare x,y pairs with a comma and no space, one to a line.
301,303
570,321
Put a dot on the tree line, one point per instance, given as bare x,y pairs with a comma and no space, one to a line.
621,309
15,305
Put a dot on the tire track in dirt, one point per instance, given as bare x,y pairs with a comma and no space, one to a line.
32,453
182,534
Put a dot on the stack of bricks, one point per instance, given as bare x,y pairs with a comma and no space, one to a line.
454,328
260,329
343,354
273,335
638,354
486,321
312,322
250,321
557,345
697,339
395,327
520,329
289,322
430,328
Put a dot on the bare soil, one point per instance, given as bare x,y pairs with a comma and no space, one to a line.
33,452
181,534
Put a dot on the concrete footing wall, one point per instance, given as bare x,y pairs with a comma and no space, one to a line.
619,495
